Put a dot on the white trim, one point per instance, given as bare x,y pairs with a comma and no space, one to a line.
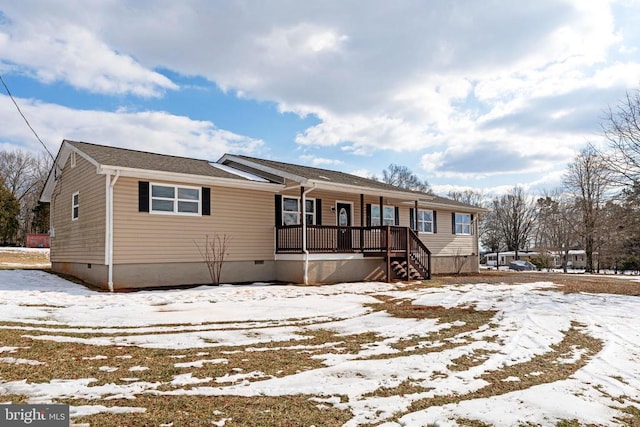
175,200
382,214
344,202
73,159
418,221
320,257
300,208
192,179
73,206
455,224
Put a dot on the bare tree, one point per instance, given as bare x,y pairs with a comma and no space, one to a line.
401,176
622,130
555,225
214,252
588,179
24,175
468,197
515,218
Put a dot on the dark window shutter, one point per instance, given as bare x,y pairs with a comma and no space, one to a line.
397,215
453,223
412,219
143,196
206,201
318,212
435,222
368,214
278,207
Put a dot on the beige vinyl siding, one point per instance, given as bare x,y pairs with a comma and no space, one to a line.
329,200
81,240
444,242
246,216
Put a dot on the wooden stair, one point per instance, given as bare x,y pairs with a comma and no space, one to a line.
400,269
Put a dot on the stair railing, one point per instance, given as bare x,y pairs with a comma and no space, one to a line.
418,255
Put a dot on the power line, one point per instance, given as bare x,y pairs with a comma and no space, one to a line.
25,119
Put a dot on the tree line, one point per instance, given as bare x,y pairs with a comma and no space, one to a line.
597,207
22,177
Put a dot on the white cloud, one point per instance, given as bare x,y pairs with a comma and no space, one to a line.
150,131
475,89
72,53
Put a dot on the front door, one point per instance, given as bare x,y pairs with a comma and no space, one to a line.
343,212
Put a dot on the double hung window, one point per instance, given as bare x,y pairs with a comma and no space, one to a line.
291,211
173,199
425,221
462,223
388,215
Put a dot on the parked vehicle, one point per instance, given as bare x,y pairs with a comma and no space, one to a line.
521,266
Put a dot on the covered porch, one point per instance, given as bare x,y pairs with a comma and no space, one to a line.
401,248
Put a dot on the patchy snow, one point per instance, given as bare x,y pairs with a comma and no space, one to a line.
530,319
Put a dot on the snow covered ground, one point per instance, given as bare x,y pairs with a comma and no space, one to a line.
530,322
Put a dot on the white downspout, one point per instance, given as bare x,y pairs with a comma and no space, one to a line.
110,228
304,233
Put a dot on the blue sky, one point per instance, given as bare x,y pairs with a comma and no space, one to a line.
483,95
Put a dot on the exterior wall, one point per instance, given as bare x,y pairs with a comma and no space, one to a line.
93,274
245,216
450,264
81,240
189,273
331,270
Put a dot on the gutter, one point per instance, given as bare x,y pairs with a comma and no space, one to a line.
110,228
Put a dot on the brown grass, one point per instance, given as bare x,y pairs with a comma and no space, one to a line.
278,359
25,258
569,283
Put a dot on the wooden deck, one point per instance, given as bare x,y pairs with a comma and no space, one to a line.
394,243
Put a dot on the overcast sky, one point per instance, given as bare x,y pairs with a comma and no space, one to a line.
467,94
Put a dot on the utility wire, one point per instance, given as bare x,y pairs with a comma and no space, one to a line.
25,119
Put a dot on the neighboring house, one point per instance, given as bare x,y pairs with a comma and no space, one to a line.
507,256
576,258
129,219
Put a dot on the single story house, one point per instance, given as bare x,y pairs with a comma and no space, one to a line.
576,258
130,219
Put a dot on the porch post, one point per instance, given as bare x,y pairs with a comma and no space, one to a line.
303,217
415,217
362,224
387,230
381,213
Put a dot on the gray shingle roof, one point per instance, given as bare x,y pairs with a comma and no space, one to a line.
122,157
329,176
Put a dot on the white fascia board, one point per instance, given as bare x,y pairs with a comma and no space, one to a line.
263,168
191,179
453,208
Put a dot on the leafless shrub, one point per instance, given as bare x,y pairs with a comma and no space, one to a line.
459,260
214,252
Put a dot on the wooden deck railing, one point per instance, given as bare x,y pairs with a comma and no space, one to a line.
335,239
388,241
